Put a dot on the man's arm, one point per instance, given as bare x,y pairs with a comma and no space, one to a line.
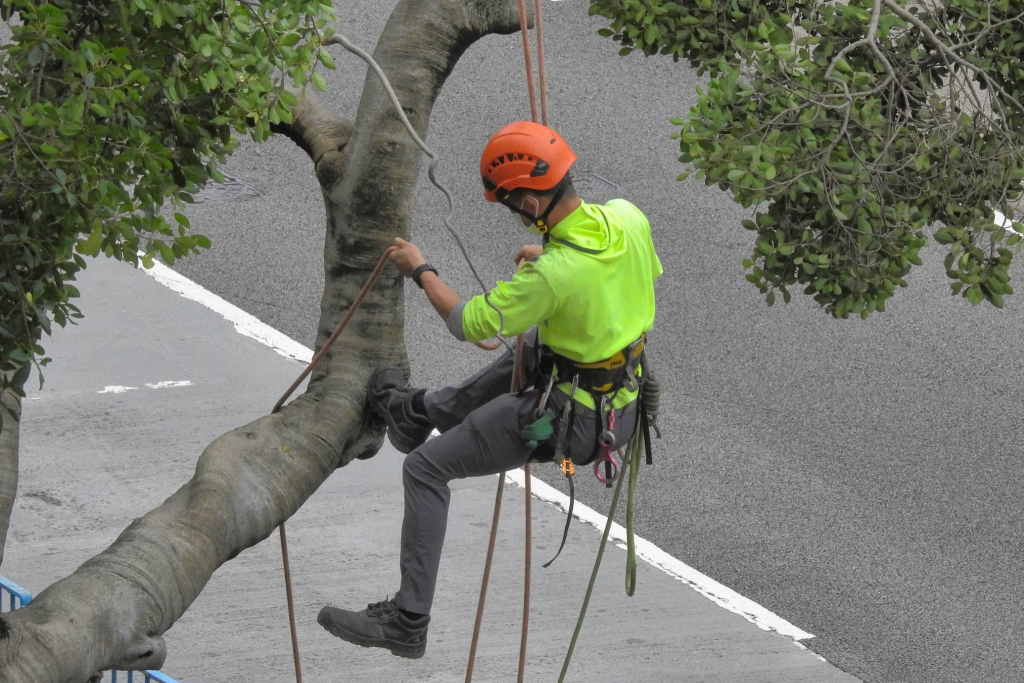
524,301
442,297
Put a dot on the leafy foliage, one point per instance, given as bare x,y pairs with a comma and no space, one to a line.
852,128
110,109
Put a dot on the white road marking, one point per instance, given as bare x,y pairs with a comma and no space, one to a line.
656,557
245,324
111,390
723,596
168,385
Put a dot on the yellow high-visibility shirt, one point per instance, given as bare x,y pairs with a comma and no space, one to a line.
590,293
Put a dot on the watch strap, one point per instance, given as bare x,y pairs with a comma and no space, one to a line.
418,273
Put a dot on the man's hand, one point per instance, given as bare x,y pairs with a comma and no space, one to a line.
407,258
527,253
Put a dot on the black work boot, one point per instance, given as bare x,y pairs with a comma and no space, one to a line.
381,624
392,399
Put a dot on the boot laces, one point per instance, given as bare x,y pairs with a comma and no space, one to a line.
382,609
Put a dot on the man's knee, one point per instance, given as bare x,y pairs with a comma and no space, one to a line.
418,468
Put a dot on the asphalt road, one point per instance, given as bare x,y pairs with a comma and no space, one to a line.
858,478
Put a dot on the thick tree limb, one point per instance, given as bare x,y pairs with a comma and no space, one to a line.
8,465
115,607
319,132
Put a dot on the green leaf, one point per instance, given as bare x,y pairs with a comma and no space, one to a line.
166,253
21,376
319,82
91,245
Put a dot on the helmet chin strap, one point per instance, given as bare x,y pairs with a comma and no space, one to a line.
541,222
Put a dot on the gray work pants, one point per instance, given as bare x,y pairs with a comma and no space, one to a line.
480,425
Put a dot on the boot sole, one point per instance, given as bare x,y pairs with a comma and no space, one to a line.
397,649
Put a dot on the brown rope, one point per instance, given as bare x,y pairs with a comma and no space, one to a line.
486,578
339,329
291,603
528,57
518,380
277,407
539,19
526,579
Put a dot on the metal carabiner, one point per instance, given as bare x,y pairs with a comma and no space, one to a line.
612,466
544,398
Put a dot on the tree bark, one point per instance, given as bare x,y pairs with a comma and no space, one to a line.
8,465
112,612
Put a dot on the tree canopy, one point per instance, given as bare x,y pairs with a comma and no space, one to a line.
109,111
852,128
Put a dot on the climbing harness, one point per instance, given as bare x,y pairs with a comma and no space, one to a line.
619,371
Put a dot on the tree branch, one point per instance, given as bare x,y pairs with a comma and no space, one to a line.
8,463
314,128
948,52
250,480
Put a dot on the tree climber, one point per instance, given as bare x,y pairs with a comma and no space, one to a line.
584,300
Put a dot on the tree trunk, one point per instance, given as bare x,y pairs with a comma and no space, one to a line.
8,465
112,612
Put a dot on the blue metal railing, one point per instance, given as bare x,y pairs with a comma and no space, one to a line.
147,677
13,596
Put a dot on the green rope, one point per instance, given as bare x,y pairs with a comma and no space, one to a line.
593,574
633,451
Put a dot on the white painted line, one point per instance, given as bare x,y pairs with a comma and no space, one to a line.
168,385
245,324
725,597
1003,222
111,390
656,557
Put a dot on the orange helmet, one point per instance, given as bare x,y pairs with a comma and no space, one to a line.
525,155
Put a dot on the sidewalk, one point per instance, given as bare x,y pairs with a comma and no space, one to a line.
96,454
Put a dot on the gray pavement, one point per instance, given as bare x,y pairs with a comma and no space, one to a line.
93,459
860,479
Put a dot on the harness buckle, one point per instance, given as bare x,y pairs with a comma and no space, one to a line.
633,352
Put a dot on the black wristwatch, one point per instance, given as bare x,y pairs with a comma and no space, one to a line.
418,273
